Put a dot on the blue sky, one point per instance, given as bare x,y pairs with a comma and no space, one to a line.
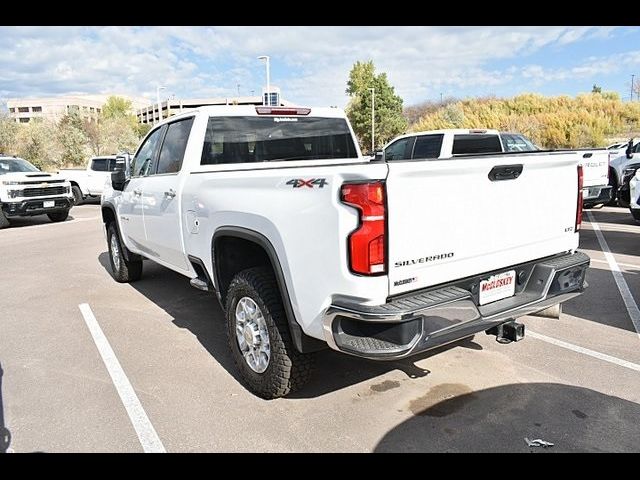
311,64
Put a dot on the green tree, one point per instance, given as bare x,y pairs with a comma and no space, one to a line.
8,133
596,89
116,107
389,120
118,135
73,140
37,143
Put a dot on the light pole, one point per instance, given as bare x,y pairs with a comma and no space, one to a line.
158,88
373,120
631,97
266,57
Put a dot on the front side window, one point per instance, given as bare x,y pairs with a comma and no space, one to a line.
174,146
143,161
476,143
273,139
428,146
400,149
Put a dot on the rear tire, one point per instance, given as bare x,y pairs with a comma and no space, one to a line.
122,270
58,216
259,338
4,221
77,195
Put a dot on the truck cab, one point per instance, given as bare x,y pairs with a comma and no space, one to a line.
88,183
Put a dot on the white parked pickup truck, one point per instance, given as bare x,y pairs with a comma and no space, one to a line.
449,143
620,159
26,191
307,245
87,183
634,195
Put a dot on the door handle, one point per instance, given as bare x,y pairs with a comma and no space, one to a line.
170,194
505,172
137,192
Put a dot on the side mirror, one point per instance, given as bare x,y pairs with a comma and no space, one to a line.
379,156
118,179
629,150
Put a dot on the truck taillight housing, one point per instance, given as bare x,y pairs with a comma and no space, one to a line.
367,244
580,199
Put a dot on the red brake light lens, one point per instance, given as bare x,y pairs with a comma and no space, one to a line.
367,244
580,199
282,111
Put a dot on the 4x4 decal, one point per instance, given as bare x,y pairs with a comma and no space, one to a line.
311,183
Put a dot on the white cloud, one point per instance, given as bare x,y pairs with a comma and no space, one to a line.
310,64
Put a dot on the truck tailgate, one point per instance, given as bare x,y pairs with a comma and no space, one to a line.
448,220
595,165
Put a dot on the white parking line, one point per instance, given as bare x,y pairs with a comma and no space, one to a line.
625,293
585,351
626,265
147,435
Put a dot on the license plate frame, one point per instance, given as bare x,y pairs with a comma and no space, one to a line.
497,287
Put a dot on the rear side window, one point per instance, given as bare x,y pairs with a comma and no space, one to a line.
400,149
273,139
174,146
517,143
100,165
428,146
476,143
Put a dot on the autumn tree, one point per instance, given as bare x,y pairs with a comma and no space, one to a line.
389,120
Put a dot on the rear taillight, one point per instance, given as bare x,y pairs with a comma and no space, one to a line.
367,244
580,200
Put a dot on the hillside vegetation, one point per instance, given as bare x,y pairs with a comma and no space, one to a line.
588,120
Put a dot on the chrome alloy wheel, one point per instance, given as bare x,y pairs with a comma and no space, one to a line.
252,335
115,252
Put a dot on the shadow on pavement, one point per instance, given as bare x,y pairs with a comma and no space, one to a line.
24,222
621,216
590,305
452,417
5,434
200,313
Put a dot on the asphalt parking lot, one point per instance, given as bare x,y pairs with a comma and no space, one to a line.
574,382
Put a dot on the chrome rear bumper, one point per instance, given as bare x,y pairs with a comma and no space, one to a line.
431,318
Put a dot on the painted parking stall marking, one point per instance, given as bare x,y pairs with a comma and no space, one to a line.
625,293
147,435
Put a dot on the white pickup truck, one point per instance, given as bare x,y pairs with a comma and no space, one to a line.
634,195
620,159
88,182
307,245
449,143
26,191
